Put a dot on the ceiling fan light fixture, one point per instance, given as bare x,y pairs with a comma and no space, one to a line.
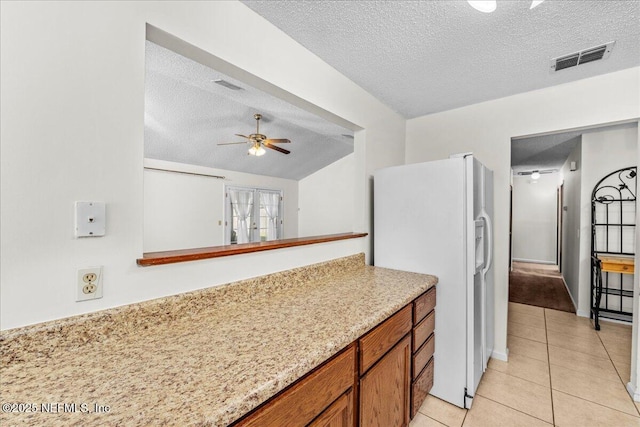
486,6
535,175
257,150
535,3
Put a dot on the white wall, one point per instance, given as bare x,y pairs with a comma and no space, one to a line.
187,211
487,128
535,218
633,386
602,153
72,108
326,199
571,221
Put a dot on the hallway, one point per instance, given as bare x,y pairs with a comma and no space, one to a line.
560,372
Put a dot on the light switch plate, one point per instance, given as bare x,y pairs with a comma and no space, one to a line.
90,219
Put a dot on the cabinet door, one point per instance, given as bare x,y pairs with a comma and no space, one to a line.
301,403
384,390
339,414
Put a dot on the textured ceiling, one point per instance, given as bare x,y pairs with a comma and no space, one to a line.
187,115
421,57
550,151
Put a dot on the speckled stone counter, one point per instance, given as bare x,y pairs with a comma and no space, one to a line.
203,358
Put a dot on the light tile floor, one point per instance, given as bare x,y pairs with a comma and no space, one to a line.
561,372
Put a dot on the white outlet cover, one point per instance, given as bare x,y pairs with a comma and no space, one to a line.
80,283
90,218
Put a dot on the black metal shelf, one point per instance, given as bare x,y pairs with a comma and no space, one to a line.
618,292
610,196
616,315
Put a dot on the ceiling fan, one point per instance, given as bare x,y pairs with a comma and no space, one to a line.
258,141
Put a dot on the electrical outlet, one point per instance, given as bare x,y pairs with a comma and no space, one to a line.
89,284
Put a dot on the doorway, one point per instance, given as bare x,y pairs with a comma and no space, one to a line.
579,158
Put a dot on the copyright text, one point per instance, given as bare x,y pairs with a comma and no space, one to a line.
56,407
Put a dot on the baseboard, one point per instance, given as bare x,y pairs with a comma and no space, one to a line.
583,313
534,261
499,355
575,306
633,391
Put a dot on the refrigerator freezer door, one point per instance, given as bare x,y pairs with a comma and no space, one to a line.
420,226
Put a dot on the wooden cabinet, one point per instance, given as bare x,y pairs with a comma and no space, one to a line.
423,305
339,414
313,395
378,381
385,366
384,336
420,388
423,347
384,389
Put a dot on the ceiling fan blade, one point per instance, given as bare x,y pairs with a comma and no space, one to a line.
276,141
233,143
242,136
275,147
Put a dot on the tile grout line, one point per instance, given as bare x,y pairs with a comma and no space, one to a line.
624,385
465,415
579,351
513,409
523,355
580,397
569,393
523,379
596,403
608,358
440,422
553,411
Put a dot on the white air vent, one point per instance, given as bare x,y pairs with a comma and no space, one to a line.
578,58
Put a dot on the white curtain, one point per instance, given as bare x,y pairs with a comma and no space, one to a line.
242,202
270,201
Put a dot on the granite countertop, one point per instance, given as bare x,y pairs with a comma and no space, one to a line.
204,358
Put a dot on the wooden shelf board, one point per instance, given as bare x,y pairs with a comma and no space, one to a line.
184,255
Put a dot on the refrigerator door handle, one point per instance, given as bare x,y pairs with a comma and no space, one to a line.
489,228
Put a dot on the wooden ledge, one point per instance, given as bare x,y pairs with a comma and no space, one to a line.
184,255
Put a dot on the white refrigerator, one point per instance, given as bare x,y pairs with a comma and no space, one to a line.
436,218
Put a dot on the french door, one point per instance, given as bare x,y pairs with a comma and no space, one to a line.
252,215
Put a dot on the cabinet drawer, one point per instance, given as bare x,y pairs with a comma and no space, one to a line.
423,355
420,388
305,399
381,339
423,330
423,305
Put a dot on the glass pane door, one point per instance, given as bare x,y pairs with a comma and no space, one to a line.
252,215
